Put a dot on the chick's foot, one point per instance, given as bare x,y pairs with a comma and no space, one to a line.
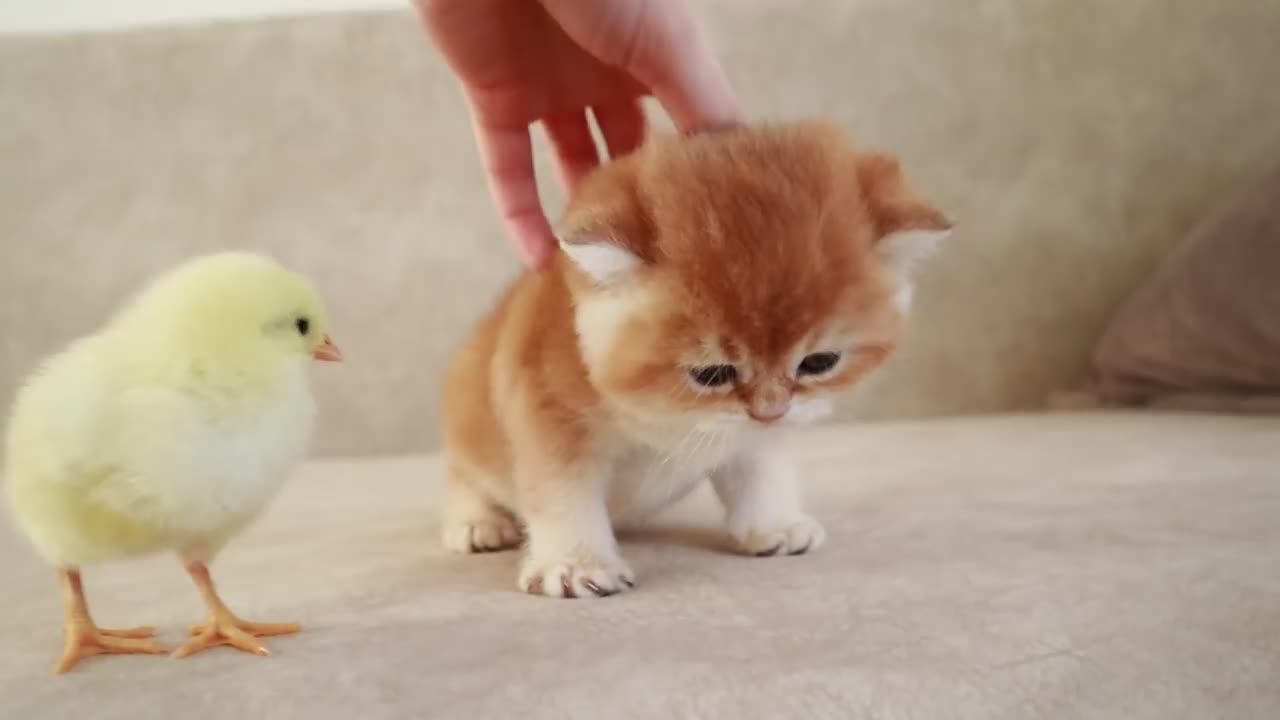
253,628
85,640
225,628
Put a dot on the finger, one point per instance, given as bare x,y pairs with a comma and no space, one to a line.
687,80
661,45
622,124
508,160
576,152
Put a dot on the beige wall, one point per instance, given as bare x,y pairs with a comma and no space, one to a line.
1071,141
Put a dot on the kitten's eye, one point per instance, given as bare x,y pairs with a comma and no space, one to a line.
713,375
303,325
818,363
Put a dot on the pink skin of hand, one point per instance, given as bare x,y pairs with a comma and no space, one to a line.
557,62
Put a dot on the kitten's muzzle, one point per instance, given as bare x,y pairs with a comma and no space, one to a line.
769,404
767,417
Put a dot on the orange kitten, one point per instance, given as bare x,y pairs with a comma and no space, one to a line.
710,290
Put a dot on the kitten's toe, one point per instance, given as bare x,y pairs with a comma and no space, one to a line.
795,538
592,578
481,534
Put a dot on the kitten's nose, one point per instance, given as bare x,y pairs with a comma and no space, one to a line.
768,416
769,405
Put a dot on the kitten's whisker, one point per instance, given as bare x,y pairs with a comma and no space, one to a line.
669,457
673,453
702,440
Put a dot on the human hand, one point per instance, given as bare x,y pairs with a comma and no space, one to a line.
554,61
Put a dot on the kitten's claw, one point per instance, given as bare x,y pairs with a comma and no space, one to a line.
796,538
535,586
481,534
594,578
801,550
770,552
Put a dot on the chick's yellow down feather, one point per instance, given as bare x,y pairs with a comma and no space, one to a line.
170,429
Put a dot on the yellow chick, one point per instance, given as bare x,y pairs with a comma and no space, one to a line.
170,429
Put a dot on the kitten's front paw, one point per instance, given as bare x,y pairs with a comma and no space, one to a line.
795,538
576,577
477,534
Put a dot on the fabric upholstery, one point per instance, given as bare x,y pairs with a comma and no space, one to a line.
1203,332
1022,567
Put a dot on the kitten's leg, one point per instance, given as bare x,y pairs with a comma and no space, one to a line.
472,523
572,551
760,491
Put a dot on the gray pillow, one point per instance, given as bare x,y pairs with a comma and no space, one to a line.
1203,332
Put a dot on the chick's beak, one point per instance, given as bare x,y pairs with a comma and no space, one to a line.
328,352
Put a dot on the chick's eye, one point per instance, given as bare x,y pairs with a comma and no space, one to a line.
303,325
713,375
818,363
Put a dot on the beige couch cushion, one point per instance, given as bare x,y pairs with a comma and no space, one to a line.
1092,566
1070,141
1204,331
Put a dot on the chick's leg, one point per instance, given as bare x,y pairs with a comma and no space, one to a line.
223,627
85,639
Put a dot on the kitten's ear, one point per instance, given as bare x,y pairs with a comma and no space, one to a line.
908,229
599,256
598,233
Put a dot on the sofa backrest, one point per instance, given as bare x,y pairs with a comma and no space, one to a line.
1070,141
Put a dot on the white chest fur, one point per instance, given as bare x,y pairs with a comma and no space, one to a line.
658,468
